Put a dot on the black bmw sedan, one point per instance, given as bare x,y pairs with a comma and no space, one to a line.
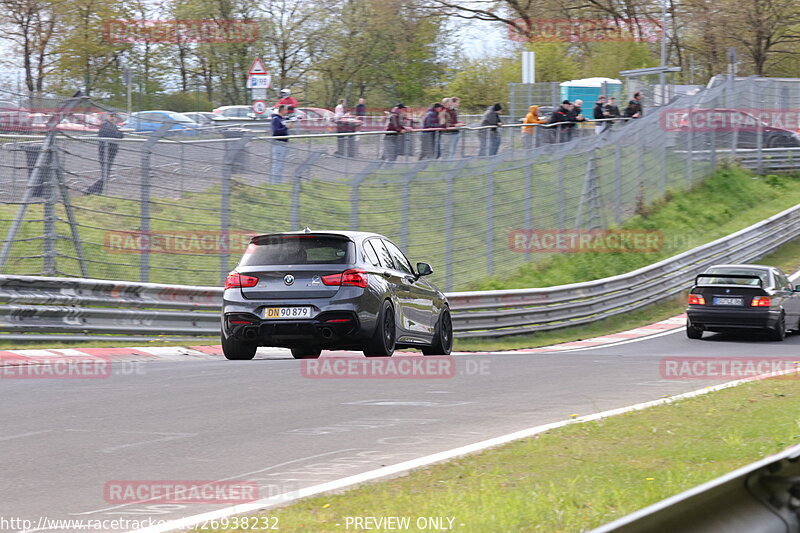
743,297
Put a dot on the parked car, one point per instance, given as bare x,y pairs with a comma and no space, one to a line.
314,290
314,120
204,118
150,121
234,112
743,298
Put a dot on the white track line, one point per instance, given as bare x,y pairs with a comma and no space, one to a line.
406,466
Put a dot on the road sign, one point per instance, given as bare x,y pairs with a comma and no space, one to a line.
258,94
259,107
257,67
260,81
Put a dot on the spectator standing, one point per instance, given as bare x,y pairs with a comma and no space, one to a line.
531,133
490,136
431,140
599,113
634,109
280,146
339,110
361,108
613,109
565,117
107,152
451,134
287,99
394,141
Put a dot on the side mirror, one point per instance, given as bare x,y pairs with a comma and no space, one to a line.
797,288
424,269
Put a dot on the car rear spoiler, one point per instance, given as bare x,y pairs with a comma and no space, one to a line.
729,276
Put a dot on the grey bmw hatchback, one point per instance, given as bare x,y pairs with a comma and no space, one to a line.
333,290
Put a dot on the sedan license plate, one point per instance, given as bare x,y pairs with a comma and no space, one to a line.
728,301
287,312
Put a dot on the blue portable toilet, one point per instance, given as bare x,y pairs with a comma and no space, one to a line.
588,89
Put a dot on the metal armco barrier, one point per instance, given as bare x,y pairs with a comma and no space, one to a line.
70,308
758,498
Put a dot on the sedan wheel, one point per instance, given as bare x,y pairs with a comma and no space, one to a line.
443,338
779,332
693,332
383,340
237,350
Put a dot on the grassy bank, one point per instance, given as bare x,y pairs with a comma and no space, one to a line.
580,476
726,202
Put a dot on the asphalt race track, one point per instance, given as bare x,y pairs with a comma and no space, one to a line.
62,440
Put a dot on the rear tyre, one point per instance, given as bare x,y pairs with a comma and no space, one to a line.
237,350
306,353
693,332
383,340
443,336
778,333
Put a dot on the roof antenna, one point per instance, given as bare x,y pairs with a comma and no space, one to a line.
307,230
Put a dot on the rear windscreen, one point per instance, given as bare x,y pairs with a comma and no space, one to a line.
296,250
716,276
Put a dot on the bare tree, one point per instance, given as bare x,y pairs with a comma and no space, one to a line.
31,26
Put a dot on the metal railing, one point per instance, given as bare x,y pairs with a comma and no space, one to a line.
758,497
36,308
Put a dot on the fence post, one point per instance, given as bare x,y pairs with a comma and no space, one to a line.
690,154
231,158
355,196
528,208
405,221
618,184
144,207
561,199
297,186
449,223
49,193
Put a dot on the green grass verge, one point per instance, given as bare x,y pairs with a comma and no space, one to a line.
726,202
580,476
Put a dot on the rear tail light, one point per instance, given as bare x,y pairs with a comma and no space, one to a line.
761,301
236,280
696,299
353,277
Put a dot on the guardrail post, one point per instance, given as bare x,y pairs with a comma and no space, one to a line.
713,148
144,208
232,156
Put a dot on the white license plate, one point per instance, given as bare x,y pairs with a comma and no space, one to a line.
287,312
728,301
